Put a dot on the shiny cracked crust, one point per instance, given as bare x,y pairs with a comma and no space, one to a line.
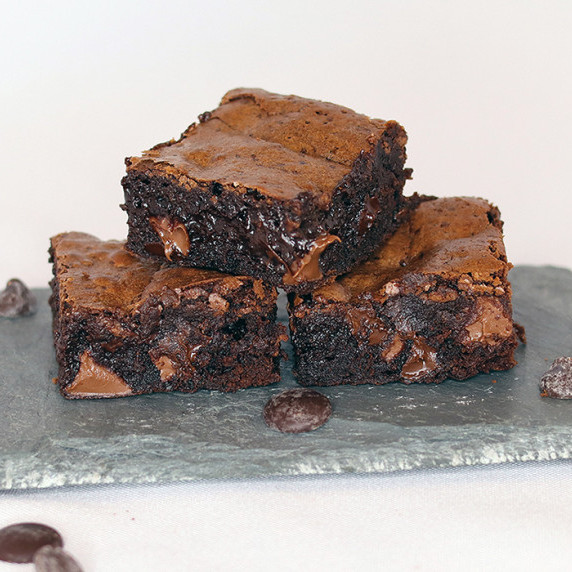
284,188
123,326
434,302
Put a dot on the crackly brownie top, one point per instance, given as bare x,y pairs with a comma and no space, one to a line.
102,275
279,145
457,239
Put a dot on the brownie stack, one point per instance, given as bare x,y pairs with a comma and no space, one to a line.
272,191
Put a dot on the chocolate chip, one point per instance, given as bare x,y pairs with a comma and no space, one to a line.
557,381
55,559
16,300
297,410
19,542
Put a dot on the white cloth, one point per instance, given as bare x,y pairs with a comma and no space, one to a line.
511,517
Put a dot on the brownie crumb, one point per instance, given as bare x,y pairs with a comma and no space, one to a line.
17,300
297,410
520,332
557,381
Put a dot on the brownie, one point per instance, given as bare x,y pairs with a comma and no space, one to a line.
433,303
126,326
286,189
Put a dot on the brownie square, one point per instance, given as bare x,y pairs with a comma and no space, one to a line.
286,189
126,326
433,303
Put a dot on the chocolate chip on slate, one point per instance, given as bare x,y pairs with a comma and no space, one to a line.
16,300
557,381
297,410
55,559
19,542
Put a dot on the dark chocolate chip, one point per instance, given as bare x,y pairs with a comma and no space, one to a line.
19,542
55,559
16,300
557,381
297,410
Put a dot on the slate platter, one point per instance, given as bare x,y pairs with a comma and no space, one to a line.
495,418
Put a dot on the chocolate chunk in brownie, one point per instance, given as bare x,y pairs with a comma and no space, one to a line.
283,188
433,303
124,326
557,381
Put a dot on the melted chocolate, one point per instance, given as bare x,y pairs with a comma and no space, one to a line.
491,324
179,362
94,380
365,324
393,349
174,236
308,267
422,359
166,367
176,353
371,210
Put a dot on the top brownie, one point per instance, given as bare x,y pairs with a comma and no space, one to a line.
283,188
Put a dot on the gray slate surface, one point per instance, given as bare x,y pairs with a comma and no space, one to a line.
50,442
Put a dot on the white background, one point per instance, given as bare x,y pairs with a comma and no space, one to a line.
484,90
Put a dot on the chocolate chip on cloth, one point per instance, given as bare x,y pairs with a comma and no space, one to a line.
55,559
19,542
297,410
557,381
17,300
